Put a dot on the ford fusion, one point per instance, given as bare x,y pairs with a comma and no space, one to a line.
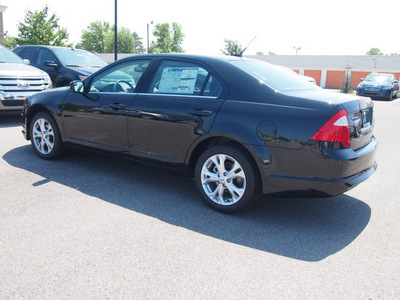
240,127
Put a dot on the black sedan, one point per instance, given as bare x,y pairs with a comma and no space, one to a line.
239,127
379,86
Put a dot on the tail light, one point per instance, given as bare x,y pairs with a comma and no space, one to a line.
336,130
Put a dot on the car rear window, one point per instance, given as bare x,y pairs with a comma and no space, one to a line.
274,76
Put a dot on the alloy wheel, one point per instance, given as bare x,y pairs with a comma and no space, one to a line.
43,136
223,179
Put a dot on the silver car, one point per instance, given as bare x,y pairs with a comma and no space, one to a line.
18,81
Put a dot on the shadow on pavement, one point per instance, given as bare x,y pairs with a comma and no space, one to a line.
303,229
10,121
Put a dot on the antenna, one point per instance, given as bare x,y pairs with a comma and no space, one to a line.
241,53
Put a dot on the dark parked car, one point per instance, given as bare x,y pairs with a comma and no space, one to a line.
379,86
61,63
240,127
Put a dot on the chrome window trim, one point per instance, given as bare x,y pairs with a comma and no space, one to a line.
178,95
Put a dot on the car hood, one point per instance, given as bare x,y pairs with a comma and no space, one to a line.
85,70
20,70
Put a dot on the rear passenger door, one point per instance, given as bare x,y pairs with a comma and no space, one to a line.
178,105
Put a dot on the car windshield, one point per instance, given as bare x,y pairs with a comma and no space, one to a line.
379,78
6,56
274,76
78,58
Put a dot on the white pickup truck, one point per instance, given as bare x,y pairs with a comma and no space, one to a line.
18,81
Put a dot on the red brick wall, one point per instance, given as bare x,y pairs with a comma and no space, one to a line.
316,74
356,78
335,79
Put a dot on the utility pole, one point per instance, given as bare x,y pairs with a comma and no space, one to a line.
148,35
115,34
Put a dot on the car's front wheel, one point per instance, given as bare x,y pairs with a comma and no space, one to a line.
45,136
227,178
390,96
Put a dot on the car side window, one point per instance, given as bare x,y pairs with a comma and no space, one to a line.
29,53
184,78
121,78
213,87
45,55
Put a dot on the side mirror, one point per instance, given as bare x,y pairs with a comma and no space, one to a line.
77,86
26,61
396,81
361,79
50,63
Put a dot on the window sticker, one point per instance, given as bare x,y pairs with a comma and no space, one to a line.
178,80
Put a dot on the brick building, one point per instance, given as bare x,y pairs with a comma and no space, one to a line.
2,33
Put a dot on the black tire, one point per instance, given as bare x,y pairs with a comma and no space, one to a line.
223,187
45,136
390,96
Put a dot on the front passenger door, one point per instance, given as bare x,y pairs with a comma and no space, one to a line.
98,117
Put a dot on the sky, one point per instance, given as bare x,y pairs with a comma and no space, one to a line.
317,27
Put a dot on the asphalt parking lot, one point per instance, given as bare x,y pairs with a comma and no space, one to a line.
89,227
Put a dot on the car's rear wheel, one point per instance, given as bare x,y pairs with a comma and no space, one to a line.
227,179
45,136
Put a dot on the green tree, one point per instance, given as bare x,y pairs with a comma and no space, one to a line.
177,38
99,37
126,41
10,42
39,28
232,48
94,37
374,51
168,41
139,48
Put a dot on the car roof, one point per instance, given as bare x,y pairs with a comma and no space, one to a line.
202,58
47,46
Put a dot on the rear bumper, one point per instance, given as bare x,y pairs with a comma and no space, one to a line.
325,172
316,186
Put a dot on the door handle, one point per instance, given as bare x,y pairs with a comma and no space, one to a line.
200,112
